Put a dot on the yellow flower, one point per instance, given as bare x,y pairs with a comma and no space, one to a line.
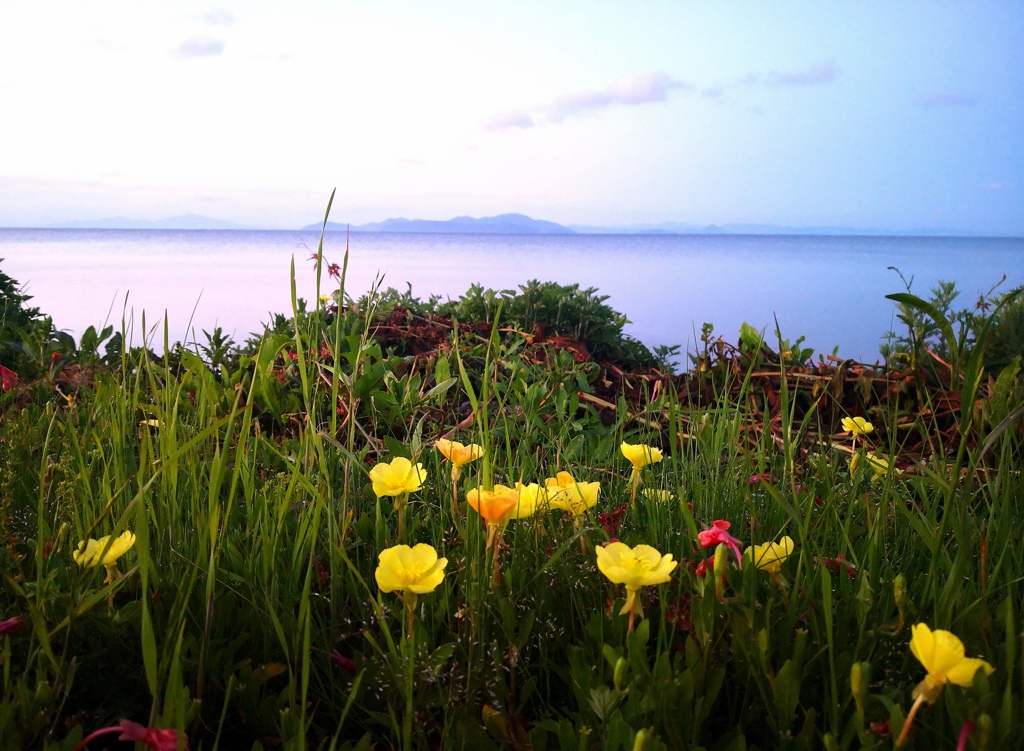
91,552
769,556
458,454
569,495
495,506
95,552
532,498
857,425
879,464
653,494
637,567
942,655
416,570
399,477
640,456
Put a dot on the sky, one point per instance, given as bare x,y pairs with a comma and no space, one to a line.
870,115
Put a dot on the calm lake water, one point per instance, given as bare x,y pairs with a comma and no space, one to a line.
829,289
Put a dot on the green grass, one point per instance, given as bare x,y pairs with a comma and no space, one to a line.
247,613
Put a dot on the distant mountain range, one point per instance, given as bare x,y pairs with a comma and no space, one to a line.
503,224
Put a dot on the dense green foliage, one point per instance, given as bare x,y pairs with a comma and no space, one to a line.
247,614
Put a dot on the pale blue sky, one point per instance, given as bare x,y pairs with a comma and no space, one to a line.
868,115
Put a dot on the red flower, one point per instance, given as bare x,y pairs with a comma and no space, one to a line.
611,520
837,564
9,378
718,535
12,625
153,738
702,568
334,270
344,663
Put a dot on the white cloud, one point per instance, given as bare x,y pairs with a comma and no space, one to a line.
627,91
199,47
943,98
219,17
816,74
508,119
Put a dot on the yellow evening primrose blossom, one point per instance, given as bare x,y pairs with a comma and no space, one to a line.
770,556
495,506
532,498
458,454
103,551
879,465
661,496
639,455
416,570
857,425
942,655
637,567
399,477
567,494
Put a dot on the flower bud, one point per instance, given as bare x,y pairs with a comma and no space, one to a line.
619,676
720,565
860,678
899,593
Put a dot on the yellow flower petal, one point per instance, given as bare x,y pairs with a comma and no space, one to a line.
634,567
495,506
91,552
457,453
942,655
770,555
397,478
416,569
567,494
639,455
857,425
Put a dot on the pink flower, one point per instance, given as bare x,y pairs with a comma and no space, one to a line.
763,477
12,625
153,738
718,535
344,663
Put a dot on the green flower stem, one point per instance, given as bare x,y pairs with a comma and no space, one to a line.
409,647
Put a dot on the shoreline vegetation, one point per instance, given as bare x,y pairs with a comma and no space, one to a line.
498,522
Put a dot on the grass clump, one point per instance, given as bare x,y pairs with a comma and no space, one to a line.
250,610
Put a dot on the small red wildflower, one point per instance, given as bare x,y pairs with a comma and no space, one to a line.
154,738
837,564
880,728
702,568
344,663
611,520
763,477
12,625
334,270
8,377
717,535
293,356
